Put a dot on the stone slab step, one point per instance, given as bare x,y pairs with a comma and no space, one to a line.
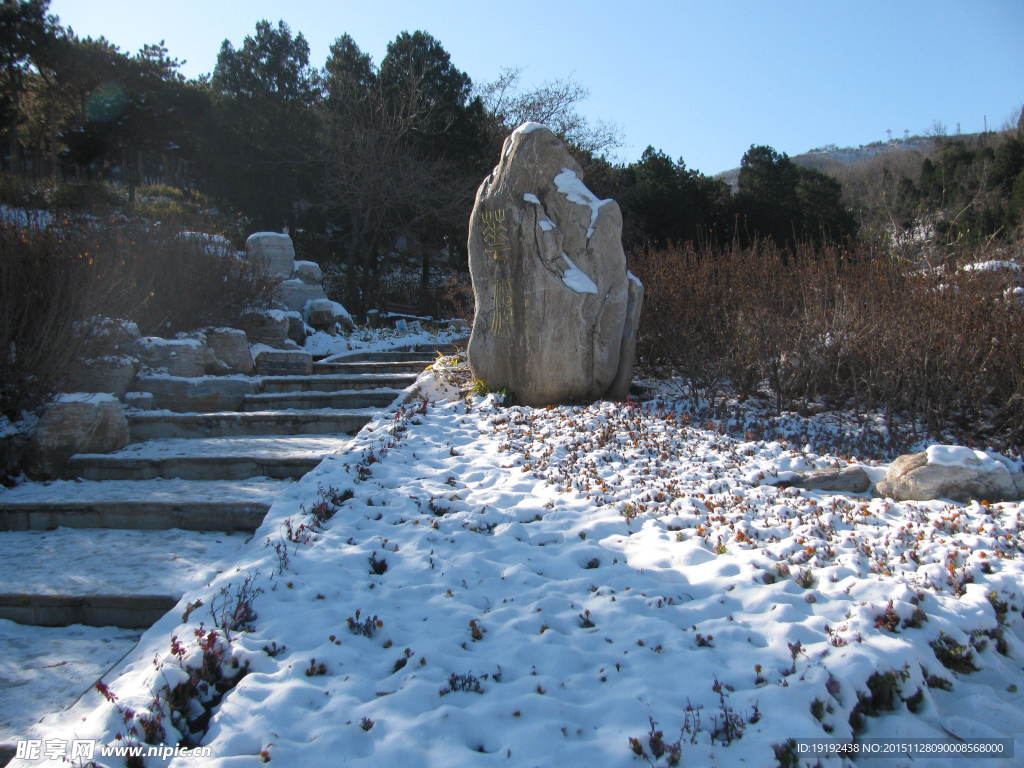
215,458
97,467
320,400
139,505
107,576
140,515
392,356
329,383
155,425
130,611
378,367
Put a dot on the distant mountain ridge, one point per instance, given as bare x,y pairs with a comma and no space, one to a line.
826,158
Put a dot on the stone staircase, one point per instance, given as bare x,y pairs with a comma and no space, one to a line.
189,482
206,473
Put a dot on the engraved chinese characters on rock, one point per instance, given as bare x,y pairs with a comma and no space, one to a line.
494,230
501,320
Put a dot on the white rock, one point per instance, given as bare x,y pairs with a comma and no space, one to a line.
273,251
953,472
294,294
308,272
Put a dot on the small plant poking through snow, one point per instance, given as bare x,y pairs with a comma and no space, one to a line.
672,752
234,611
367,627
468,683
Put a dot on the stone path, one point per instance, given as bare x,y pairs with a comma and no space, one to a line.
191,485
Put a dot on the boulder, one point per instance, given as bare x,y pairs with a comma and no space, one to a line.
556,312
265,327
76,423
323,314
294,294
197,395
953,472
113,374
296,328
283,362
846,480
308,272
179,357
272,251
231,347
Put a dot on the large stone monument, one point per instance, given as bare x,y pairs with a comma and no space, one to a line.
556,310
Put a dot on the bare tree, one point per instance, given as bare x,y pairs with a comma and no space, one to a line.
378,177
554,103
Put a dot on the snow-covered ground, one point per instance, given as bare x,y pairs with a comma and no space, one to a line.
42,668
382,339
537,586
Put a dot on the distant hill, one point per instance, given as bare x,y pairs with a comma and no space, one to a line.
829,158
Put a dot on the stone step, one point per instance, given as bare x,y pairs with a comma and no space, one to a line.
378,367
144,425
329,383
139,505
392,356
215,458
107,577
130,611
320,400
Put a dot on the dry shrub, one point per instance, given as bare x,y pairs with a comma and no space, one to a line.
42,292
943,347
52,279
167,284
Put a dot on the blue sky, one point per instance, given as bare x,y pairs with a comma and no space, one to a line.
700,80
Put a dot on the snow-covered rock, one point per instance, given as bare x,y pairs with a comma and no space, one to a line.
231,347
179,357
273,251
308,272
294,293
282,362
322,314
77,423
265,327
953,472
113,374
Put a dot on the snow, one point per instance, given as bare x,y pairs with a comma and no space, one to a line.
174,561
529,127
25,217
42,668
157,341
267,236
961,456
991,266
576,279
269,447
572,572
570,185
156,491
382,339
96,398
